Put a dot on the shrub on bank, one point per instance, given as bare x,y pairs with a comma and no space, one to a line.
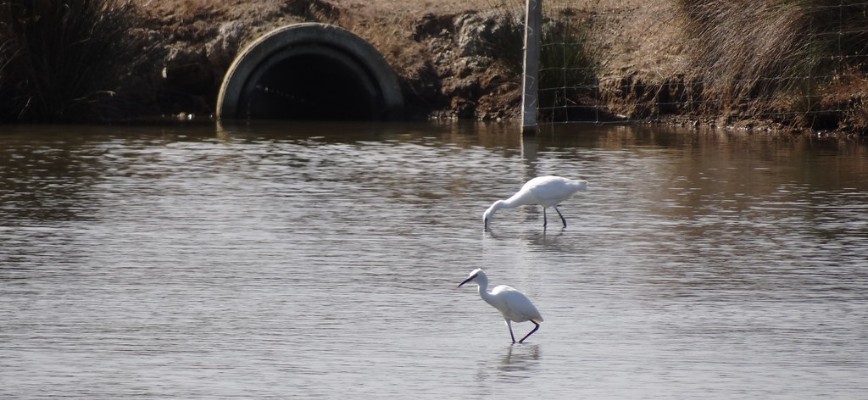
64,60
778,57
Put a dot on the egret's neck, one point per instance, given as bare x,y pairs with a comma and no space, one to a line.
488,297
486,217
483,290
511,202
497,205
518,199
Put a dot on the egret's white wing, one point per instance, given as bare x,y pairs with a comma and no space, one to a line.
515,305
551,190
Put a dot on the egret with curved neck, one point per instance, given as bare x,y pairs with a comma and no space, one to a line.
514,305
547,191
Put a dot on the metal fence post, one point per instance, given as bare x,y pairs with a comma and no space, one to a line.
530,92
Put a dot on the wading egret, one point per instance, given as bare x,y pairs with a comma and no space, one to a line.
514,305
547,191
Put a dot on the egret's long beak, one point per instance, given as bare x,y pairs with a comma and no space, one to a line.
466,280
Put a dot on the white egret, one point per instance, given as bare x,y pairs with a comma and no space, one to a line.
514,305
547,191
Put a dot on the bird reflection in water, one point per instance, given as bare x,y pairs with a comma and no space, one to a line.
519,358
515,364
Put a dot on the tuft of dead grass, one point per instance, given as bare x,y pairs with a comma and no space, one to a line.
777,58
740,57
61,60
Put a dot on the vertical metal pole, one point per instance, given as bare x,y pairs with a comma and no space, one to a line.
532,40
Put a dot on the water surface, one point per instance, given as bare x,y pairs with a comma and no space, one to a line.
320,261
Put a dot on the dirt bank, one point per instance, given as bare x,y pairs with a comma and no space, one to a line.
440,70
439,49
442,53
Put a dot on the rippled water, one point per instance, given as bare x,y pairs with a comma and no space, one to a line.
321,261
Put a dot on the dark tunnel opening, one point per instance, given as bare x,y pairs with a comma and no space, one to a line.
313,86
310,71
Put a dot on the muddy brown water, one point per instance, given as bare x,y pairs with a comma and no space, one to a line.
321,261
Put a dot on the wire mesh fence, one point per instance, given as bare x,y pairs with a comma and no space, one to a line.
790,63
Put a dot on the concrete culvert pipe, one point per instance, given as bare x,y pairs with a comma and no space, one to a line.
310,71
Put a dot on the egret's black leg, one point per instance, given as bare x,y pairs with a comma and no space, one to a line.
562,217
509,325
531,332
545,220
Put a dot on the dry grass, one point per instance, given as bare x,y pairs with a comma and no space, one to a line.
740,58
60,60
777,58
